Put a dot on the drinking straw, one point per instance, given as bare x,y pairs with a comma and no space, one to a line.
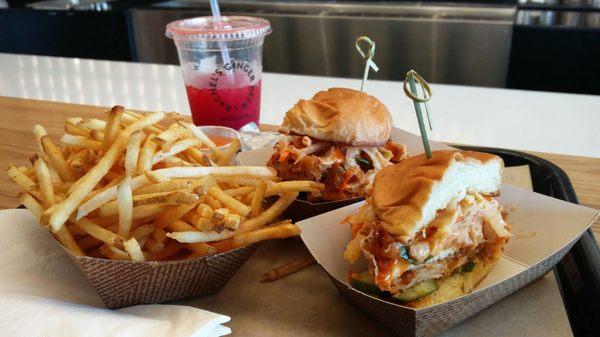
216,13
412,78
368,56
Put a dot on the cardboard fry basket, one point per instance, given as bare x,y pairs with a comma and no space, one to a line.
124,283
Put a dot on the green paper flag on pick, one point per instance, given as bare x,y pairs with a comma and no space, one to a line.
411,80
368,56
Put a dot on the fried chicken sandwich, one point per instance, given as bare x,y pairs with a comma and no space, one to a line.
341,138
431,229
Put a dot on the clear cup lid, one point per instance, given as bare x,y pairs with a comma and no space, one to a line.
228,28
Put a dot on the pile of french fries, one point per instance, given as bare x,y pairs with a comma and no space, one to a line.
134,187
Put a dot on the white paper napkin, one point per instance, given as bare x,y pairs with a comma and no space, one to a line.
42,294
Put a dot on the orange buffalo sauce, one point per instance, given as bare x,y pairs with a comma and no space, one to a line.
219,141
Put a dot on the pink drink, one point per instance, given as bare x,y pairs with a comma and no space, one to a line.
222,67
223,101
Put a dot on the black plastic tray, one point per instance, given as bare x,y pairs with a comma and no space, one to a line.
578,273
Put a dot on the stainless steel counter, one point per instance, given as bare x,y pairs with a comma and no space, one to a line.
448,43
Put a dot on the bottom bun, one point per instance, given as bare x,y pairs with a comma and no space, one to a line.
458,284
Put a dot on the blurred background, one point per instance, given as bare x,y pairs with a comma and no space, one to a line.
550,45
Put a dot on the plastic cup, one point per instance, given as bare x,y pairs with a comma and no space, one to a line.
221,63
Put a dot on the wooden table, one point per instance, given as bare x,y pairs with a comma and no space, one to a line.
17,117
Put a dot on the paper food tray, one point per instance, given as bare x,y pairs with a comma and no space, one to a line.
123,283
553,225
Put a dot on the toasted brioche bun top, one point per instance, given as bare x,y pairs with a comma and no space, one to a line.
406,196
340,115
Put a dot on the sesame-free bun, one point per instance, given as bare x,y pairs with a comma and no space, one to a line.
407,195
340,115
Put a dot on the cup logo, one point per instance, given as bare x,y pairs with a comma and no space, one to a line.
235,74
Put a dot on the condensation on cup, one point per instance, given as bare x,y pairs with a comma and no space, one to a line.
222,67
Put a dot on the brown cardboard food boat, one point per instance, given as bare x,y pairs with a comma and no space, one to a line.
123,283
548,227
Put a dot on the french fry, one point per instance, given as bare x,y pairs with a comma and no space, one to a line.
99,232
87,183
93,124
222,217
171,134
212,202
114,253
60,187
20,178
222,245
113,174
244,180
166,186
146,154
180,226
45,182
287,269
73,120
75,231
132,153
132,247
257,199
55,156
142,232
125,207
82,142
275,232
53,172
45,217
197,156
154,246
155,177
39,132
171,249
97,135
199,134
172,215
240,191
178,147
88,242
198,236
200,249
229,201
165,198
32,205
128,119
95,253
67,240
75,130
175,162
114,182
112,125
288,186
271,213
159,235
173,198
218,171
149,211
229,152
